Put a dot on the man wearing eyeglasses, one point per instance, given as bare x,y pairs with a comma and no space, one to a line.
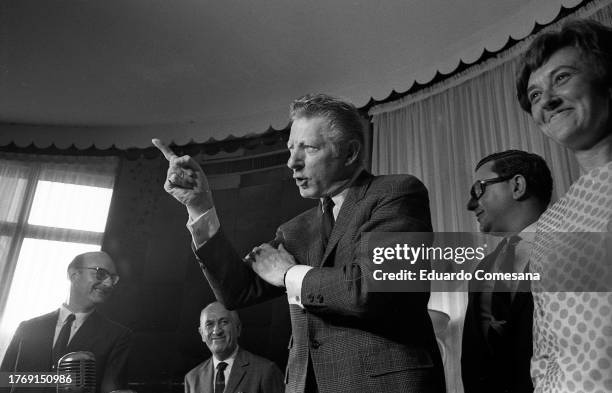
511,190
39,343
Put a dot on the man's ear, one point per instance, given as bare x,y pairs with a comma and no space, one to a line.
352,153
72,273
519,187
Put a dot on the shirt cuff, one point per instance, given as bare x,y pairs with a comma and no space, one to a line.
293,282
204,227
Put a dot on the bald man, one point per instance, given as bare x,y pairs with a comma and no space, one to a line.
231,369
40,342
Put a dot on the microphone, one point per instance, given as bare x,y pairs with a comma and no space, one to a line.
81,368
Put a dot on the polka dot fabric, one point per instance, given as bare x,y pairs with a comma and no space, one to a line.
572,330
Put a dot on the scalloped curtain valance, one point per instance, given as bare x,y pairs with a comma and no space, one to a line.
255,121
439,135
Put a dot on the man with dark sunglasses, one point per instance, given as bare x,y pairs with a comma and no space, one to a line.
39,343
511,190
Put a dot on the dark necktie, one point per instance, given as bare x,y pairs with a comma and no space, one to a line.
220,378
327,220
508,265
61,345
486,297
509,258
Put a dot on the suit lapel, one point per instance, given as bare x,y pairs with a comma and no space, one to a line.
523,296
238,372
85,332
314,252
349,207
207,378
487,266
48,334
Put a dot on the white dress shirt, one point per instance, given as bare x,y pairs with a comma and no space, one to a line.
79,319
228,369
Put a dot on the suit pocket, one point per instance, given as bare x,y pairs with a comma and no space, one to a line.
393,359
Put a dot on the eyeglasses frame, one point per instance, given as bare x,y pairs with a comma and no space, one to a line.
485,183
100,270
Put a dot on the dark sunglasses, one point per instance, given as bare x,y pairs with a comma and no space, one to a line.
103,274
479,187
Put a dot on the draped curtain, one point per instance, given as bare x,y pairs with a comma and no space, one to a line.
440,139
439,134
25,181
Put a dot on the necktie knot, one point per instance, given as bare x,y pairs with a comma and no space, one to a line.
221,366
513,240
70,318
327,205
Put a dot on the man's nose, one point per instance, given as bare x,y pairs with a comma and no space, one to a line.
107,282
295,160
472,203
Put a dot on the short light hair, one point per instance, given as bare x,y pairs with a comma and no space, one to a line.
233,313
344,121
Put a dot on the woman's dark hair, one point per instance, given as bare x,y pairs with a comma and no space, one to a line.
592,39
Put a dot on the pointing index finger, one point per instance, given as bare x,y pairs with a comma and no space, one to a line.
166,151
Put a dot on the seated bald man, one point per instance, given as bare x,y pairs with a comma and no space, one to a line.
231,369
40,342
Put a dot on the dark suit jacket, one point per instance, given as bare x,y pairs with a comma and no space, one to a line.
499,362
250,374
358,340
30,348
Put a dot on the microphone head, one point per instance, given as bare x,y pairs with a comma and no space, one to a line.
81,367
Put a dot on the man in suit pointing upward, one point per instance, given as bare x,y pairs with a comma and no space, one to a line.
345,337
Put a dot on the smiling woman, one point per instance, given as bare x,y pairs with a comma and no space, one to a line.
568,101
565,82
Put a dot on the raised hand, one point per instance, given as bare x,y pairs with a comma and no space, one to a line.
186,181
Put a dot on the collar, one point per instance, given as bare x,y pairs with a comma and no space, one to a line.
528,233
339,200
79,317
339,197
229,360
